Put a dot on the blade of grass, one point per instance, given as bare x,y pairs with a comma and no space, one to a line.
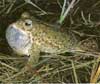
62,17
63,8
61,70
18,7
83,17
30,2
95,72
74,71
11,6
95,78
25,69
4,64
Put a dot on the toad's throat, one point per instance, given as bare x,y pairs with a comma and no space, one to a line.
18,40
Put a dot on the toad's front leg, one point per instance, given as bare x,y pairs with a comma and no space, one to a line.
34,57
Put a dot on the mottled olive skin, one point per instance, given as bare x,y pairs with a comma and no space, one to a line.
42,37
45,37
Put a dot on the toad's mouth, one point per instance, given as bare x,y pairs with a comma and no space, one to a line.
18,40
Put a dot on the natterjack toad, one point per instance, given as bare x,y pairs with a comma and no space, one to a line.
28,36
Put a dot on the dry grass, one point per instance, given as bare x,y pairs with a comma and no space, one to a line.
79,17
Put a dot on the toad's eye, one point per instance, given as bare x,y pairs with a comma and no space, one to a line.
28,23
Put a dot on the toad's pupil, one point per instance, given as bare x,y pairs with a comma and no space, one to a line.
27,24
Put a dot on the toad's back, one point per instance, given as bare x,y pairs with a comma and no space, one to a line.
49,40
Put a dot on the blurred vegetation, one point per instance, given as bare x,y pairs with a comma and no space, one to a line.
83,20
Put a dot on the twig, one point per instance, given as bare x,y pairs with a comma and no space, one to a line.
9,9
84,19
74,71
30,2
95,77
8,66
